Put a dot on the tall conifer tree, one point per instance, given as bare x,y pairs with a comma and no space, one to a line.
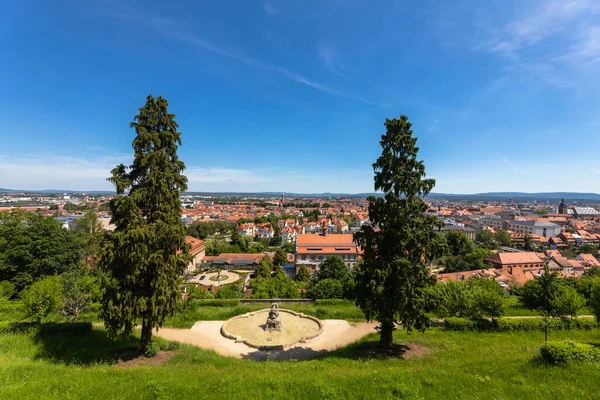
392,278
147,253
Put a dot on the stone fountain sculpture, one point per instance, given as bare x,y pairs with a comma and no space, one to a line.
273,321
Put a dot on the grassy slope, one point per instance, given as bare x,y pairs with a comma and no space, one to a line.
465,365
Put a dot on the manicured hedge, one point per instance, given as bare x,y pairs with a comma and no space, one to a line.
75,328
333,302
216,303
567,351
18,327
518,324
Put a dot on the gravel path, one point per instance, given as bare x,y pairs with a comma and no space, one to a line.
207,334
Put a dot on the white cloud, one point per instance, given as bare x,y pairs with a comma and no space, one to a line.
554,41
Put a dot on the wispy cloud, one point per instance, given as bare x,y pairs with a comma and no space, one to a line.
329,57
270,8
45,171
548,39
173,29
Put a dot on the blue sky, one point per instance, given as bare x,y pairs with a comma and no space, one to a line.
291,95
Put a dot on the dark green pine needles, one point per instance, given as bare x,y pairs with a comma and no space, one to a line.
147,252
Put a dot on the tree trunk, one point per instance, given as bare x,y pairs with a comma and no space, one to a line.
146,333
385,335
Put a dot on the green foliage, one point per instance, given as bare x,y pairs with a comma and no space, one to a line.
486,239
32,246
327,289
473,260
264,268
7,289
280,257
277,287
392,280
90,230
141,261
194,293
152,349
302,275
42,298
502,237
588,248
173,345
334,268
489,299
229,292
518,324
202,230
594,299
458,243
476,298
567,351
569,302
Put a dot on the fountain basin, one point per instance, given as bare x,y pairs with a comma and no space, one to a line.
250,329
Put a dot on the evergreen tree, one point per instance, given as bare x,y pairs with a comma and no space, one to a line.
392,280
302,275
280,257
265,266
147,253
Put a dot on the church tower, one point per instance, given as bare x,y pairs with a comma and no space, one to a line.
562,207
282,199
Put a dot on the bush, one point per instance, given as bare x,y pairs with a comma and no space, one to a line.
229,292
564,352
460,324
18,327
152,349
7,290
216,303
173,345
518,324
333,302
43,297
66,328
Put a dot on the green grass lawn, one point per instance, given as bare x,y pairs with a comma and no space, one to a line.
460,365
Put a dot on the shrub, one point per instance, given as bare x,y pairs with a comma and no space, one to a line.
7,289
333,302
70,328
43,297
563,352
173,345
460,324
17,327
152,349
216,303
518,324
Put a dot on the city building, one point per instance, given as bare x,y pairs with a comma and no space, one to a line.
312,250
532,227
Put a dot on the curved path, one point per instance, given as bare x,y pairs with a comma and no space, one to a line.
231,277
207,334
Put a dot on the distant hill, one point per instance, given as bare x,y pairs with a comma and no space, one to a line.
521,196
571,197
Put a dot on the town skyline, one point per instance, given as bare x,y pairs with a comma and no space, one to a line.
292,96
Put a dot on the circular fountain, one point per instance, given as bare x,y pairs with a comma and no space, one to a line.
272,329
